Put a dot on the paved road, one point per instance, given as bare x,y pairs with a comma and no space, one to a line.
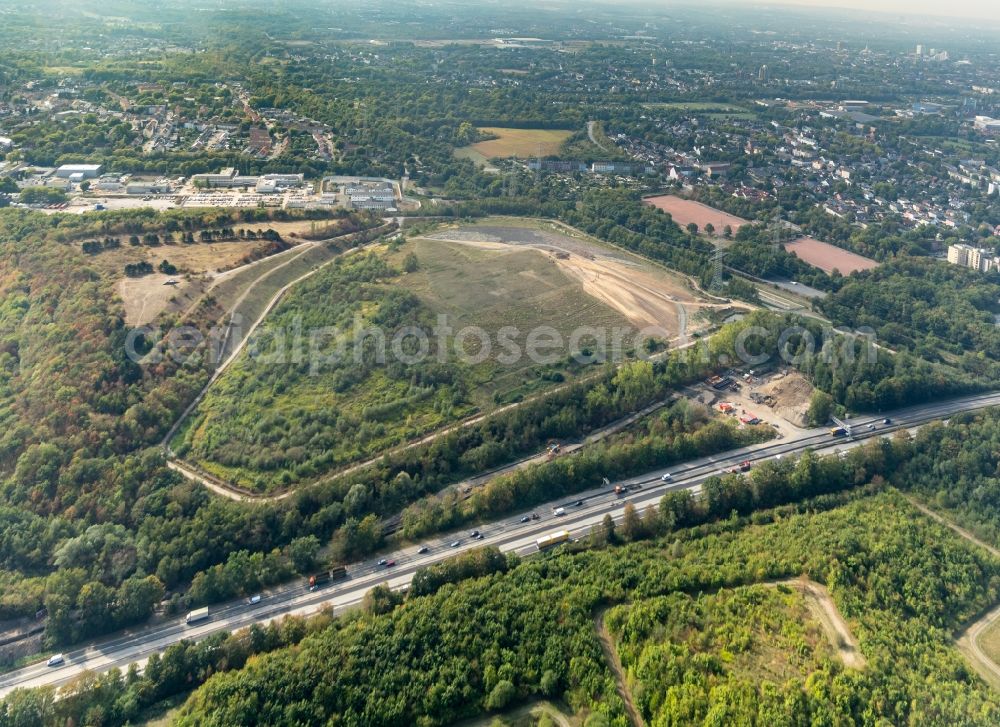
583,511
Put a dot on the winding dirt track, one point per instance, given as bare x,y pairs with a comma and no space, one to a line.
968,641
838,632
615,665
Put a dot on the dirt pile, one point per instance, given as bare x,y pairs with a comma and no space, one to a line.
792,393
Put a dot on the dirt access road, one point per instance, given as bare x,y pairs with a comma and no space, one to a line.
819,602
968,641
824,610
615,665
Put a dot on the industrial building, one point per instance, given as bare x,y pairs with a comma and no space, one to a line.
226,178
158,187
274,183
79,172
371,196
987,125
229,178
853,105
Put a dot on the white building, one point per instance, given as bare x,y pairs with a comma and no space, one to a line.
85,171
371,195
987,125
973,257
158,187
273,183
224,178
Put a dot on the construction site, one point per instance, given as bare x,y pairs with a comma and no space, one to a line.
779,398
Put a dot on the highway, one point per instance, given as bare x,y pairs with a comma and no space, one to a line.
582,512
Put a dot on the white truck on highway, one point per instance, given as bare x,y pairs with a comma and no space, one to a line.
199,614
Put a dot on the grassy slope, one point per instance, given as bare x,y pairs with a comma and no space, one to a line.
523,289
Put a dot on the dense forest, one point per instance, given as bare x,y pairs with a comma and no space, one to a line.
490,642
87,496
934,311
903,582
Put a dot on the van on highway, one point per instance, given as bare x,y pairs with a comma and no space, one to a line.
559,511
56,660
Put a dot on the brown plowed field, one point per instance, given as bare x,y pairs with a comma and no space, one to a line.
828,257
685,211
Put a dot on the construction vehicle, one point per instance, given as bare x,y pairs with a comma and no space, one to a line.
325,576
743,466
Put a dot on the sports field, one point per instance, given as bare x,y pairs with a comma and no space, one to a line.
686,211
828,257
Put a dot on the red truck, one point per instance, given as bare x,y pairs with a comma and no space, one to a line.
325,576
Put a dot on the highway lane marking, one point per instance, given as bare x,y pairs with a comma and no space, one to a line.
520,539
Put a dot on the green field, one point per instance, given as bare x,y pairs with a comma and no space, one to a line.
989,641
490,289
523,143
270,422
709,107
721,110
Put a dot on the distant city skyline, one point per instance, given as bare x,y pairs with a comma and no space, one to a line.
959,9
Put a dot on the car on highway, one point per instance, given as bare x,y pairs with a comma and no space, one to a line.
578,503
423,549
535,516
476,535
871,427
887,420
667,477
56,660
383,562
255,599
526,519
455,543
390,564
559,511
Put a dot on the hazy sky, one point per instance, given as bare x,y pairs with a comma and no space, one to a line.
954,8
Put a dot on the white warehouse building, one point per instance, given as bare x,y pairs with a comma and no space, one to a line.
79,171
